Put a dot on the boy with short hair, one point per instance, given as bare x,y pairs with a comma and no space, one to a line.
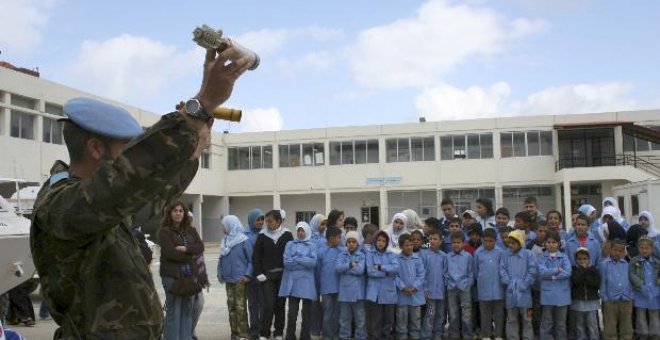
474,239
518,271
531,206
523,221
459,277
418,240
470,219
435,262
537,247
410,285
381,294
368,232
454,226
329,281
448,212
616,294
582,237
490,291
645,278
350,265
502,217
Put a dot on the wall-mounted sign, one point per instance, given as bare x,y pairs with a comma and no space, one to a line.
384,180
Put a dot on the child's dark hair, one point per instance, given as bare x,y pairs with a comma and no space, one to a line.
433,222
541,223
582,217
488,204
524,216
553,212
618,242
503,211
417,232
434,232
476,229
507,229
369,229
333,216
275,214
351,221
458,235
403,238
530,200
551,235
332,231
446,201
454,220
644,239
490,233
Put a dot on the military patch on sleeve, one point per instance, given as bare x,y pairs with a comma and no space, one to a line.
54,179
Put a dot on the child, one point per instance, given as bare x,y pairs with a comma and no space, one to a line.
502,218
454,226
382,268
486,215
418,240
490,291
645,278
255,296
537,247
432,223
616,293
470,219
318,225
506,230
474,239
523,221
435,262
235,270
459,279
298,280
448,212
268,264
396,229
518,272
593,222
531,206
329,281
555,274
350,266
368,232
553,219
410,290
350,224
583,238
585,281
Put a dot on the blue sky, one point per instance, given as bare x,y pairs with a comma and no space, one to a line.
343,63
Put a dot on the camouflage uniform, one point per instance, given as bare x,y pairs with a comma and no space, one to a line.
236,302
94,278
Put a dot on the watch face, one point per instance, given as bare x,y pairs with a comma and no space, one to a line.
192,106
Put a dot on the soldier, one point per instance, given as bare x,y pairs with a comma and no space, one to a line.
94,278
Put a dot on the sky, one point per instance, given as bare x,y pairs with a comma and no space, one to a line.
346,63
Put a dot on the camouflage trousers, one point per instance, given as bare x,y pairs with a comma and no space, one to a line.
237,304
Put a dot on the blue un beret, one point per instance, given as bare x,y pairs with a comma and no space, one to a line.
102,119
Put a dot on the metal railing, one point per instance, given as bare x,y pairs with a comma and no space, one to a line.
650,164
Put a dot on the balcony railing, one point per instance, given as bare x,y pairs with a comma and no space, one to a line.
650,164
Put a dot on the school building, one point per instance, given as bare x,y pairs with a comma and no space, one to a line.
371,172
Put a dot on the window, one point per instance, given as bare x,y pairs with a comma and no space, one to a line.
354,152
304,216
513,197
313,154
23,102
621,202
526,143
464,198
469,146
52,131
22,125
54,109
206,158
413,149
634,200
250,157
294,155
424,202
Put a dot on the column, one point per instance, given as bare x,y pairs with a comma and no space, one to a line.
499,196
557,190
618,141
384,214
277,201
567,203
328,202
197,212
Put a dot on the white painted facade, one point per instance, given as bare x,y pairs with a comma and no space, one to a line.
383,186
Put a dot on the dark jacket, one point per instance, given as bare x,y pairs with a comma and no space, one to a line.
268,256
585,283
171,261
142,243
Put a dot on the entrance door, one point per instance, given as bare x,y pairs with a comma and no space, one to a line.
586,147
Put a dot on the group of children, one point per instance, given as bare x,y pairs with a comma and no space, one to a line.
452,278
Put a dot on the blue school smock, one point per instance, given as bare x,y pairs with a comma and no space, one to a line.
459,272
328,278
298,276
435,263
518,272
487,274
381,284
557,291
351,279
614,280
237,264
411,274
592,244
649,295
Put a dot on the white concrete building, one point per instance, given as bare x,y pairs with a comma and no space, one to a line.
370,172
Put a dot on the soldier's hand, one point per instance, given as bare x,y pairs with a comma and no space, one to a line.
180,249
245,280
219,77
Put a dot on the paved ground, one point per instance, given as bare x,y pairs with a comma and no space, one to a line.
213,324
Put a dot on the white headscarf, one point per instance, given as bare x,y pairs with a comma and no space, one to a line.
652,231
412,220
234,234
308,231
394,234
612,201
612,211
274,234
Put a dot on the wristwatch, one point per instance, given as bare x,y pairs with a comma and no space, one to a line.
194,108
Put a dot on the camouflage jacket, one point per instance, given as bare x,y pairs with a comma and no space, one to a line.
94,278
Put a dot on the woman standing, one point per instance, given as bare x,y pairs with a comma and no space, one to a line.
180,246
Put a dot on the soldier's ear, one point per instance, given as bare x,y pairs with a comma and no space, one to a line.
95,149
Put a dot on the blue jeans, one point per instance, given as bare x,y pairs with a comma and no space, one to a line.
513,326
382,320
198,306
255,308
317,318
553,322
433,326
586,325
460,313
330,316
408,322
349,312
178,313
492,318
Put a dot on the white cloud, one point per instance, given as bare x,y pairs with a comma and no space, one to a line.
271,41
417,51
446,102
319,60
21,24
131,68
256,120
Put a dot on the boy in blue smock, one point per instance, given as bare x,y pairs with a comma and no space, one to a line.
298,280
555,274
459,278
518,271
381,295
490,291
329,281
410,288
645,278
616,293
435,263
583,238
350,265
